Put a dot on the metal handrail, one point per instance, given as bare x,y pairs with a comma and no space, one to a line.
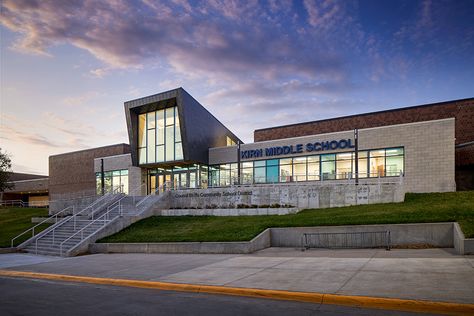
47,219
105,215
91,206
23,204
12,202
357,239
158,189
94,221
109,210
139,189
102,198
154,193
295,178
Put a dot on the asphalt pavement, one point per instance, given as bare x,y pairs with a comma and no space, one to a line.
434,275
42,297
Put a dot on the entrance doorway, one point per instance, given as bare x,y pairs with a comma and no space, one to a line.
177,178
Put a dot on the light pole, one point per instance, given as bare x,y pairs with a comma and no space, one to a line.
356,140
238,162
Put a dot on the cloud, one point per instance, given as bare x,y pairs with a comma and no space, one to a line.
323,14
26,169
246,57
16,135
81,99
228,38
53,132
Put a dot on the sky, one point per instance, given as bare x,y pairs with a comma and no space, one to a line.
67,67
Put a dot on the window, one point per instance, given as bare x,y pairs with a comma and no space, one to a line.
377,163
259,171
229,141
178,154
159,136
286,170
246,172
151,146
344,165
299,169
214,176
142,138
169,143
363,162
160,118
234,174
114,181
380,162
394,162
224,177
271,170
313,168
328,166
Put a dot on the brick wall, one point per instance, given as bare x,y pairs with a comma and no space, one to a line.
462,110
72,174
465,155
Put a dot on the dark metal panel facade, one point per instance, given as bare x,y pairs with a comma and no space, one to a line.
200,130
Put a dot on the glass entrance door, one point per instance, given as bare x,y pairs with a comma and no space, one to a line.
153,186
164,181
193,176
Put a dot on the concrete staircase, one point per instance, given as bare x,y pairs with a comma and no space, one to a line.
51,243
73,234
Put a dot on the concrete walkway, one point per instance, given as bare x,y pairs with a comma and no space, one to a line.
428,274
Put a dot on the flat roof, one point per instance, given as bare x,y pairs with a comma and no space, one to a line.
90,149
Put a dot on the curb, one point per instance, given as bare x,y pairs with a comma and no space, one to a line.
318,298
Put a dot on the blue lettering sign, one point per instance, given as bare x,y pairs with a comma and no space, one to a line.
297,149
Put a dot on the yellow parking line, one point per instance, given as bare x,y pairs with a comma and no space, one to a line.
319,298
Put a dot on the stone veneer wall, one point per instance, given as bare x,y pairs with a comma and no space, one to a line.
461,110
300,195
429,151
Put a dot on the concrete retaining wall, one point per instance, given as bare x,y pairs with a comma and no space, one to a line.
442,235
77,203
261,241
435,234
300,195
48,220
230,212
8,250
463,246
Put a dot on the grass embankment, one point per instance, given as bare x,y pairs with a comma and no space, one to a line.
15,220
417,208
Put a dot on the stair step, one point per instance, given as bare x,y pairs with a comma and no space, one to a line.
67,234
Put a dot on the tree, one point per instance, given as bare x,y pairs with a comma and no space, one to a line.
5,171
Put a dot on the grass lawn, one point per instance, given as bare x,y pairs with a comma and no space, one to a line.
417,208
15,220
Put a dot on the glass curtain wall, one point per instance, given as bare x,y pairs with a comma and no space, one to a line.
159,136
114,180
387,162
223,175
186,177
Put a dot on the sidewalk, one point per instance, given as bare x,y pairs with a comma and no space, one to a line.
427,274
